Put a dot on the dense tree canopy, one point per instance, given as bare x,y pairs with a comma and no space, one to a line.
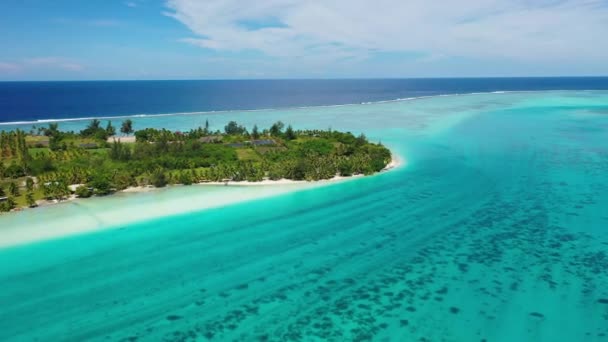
56,164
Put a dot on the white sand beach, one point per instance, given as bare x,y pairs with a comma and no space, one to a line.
395,162
78,216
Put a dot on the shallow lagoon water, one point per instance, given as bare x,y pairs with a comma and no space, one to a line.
495,230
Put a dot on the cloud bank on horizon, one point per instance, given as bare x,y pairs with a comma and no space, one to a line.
352,38
526,30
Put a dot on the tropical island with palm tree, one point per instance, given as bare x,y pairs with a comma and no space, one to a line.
48,165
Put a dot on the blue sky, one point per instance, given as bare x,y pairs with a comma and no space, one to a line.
225,39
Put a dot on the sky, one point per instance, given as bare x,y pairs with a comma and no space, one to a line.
242,39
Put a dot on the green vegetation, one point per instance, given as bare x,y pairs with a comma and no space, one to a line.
47,163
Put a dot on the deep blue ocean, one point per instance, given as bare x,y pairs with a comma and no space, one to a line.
32,101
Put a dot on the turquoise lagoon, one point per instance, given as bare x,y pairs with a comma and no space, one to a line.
495,229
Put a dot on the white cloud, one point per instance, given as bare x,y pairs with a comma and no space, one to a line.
9,68
134,3
39,66
51,63
519,30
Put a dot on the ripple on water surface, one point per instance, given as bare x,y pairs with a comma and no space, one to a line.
494,232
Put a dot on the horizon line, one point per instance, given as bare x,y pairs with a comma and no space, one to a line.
309,79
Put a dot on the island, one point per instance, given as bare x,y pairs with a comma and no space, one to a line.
48,165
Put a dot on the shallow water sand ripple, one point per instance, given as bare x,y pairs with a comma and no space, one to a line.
495,231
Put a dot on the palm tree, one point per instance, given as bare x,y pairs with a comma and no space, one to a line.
127,127
255,133
10,203
110,129
13,189
29,184
29,198
47,191
94,125
276,128
289,133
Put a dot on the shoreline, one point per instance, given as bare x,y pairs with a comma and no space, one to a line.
393,164
136,116
76,216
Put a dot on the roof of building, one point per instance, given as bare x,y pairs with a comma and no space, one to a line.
263,142
236,144
211,138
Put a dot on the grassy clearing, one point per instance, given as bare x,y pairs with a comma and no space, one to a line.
248,154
